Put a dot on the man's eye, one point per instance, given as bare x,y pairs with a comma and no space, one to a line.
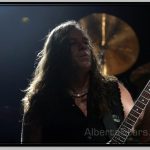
86,42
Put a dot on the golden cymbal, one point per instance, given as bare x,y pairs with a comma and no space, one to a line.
141,75
113,39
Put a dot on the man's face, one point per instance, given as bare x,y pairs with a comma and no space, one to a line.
81,55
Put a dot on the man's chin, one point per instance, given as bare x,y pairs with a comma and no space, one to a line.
86,65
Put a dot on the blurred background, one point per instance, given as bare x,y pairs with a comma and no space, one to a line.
119,32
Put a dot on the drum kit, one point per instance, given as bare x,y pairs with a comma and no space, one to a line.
116,46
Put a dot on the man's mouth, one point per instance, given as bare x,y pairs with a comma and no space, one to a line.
84,54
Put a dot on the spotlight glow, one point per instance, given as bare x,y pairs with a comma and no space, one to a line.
25,20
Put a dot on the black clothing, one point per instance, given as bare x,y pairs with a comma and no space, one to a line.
69,125
64,122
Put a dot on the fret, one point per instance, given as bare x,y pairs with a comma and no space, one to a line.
128,125
147,89
121,134
114,142
132,117
146,95
130,121
137,108
126,128
134,113
122,130
139,104
143,100
118,139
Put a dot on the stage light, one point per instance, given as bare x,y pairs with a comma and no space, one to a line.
25,20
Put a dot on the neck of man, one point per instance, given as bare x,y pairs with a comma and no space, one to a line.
80,81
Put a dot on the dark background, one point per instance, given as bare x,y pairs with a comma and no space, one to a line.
20,42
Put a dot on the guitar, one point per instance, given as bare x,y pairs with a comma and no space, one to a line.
124,129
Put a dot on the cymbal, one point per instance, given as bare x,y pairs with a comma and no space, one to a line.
141,75
113,39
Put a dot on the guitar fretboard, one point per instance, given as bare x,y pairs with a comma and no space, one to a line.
125,128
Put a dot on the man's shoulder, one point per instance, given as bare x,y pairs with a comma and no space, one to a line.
109,79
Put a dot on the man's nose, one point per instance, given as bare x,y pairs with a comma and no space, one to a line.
82,46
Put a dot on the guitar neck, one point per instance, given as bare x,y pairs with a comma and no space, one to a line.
125,128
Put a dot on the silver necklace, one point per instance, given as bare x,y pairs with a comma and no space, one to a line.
79,94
